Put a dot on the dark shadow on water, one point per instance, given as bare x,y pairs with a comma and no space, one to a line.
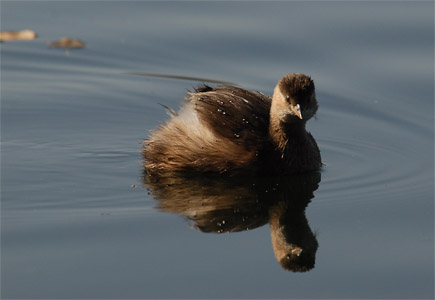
227,204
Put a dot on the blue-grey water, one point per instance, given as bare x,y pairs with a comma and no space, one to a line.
76,219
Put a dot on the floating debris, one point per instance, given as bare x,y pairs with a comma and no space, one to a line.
17,35
67,43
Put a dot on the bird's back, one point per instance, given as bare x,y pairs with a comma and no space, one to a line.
235,114
218,130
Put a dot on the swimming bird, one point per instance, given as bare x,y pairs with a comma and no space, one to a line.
230,130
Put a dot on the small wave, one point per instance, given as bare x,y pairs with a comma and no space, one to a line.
373,159
180,77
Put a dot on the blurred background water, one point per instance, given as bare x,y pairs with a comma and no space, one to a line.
76,221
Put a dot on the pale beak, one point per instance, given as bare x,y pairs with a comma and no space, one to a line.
297,251
297,110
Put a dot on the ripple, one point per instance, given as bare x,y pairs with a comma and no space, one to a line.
352,175
179,77
108,154
375,159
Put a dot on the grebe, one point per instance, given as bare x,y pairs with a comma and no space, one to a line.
227,129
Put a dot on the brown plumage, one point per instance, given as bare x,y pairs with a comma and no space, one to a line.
231,130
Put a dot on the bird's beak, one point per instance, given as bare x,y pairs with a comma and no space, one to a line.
297,251
297,110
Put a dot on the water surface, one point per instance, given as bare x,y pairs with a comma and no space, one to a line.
77,221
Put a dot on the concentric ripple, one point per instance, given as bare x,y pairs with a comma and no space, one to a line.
371,159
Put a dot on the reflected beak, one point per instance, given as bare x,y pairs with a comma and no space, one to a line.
297,250
297,110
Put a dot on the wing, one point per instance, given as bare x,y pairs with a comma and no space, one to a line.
233,113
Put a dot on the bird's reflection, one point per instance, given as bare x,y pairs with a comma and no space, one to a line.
222,204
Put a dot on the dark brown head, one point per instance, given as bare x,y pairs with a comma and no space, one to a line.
294,98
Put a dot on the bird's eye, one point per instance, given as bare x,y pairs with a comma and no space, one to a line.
287,98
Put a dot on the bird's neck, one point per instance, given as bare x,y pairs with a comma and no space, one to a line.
281,130
283,125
